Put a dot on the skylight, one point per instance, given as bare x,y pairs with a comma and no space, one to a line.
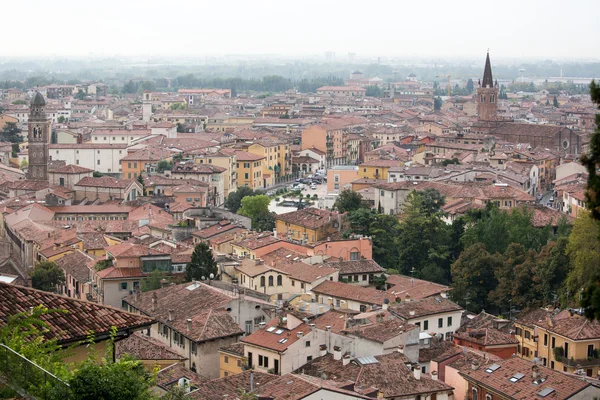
546,392
367,360
283,340
492,368
271,329
193,286
279,331
516,377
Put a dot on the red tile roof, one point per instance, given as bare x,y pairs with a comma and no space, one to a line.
272,340
80,318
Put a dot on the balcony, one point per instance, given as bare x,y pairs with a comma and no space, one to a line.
29,379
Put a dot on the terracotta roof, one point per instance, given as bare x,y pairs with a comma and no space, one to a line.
487,337
562,385
357,267
70,169
120,273
246,156
144,347
205,306
574,327
229,387
401,286
311,218
420,308
257,241
336,319
168,377
273,340
104,182
234,348
381,331
306,272
81,316
128,249
352,292
75,264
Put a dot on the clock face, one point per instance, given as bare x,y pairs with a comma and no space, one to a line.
565,144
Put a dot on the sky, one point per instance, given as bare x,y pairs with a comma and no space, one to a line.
463,28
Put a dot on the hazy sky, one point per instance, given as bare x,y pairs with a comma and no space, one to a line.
510,28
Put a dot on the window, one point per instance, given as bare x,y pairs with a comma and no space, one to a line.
527,335
307,343
440,322
545,339
279,280
449,321
590,350
425,325
271,280
239,363
474,393
553,342
293,282
301,285
226,360
123,285
363,308
309,358
262,281
566,350
552,364
195,348
488,397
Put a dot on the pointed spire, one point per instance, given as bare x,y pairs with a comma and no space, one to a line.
487,73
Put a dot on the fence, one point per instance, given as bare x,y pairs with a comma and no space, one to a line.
21,373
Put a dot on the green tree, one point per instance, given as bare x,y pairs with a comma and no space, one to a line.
384,231
129,88
180,127
592,159
555,102
97,174
473,277
164,165
583,250
437,103
431,201
80,95
452,161
361,219
264,222
202,264
255,207
374,91
19,102
234,200
552,269
505,275
61,119
140,179
470,86
24,164
11,133
349,200
154,280
15,150
46,276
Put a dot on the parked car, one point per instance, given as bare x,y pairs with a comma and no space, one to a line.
313,186
551,199
298,186
317,181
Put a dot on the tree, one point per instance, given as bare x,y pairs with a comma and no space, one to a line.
505,275
256,208
47,276
555,102
164,165
234,200
470,86
361,219
15,150
592,160
552,269
24,164
129,88
437,103
154,280
349,200
452,161
97,174
431,201
583,250
374,91
264,222
473,276
202,264
61,119
180,127
11,133
80,95
384,231
19,102
140,179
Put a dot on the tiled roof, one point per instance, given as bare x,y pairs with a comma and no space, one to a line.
234,348
257,241
352,292
357,267
246,156
381,331
71,169
104,182
144,347
213,230
311,218
575,327
75,264
272,340
305,272
563,386
128,249
401,286
115,273
204,305
487,337
420,308
168,377
81,316
229,387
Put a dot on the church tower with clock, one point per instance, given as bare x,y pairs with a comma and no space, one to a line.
38,138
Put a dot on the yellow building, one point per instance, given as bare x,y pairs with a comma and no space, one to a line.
134,164
564,341
225,158
309,225
377,169
231,359
277,159
249,168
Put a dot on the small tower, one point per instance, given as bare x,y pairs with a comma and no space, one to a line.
146,106
487,94
38,137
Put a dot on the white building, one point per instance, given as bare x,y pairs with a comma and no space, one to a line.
105,158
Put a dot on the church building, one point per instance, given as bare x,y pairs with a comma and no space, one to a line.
38,137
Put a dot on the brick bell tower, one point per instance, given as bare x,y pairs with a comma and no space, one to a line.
38,137
487,94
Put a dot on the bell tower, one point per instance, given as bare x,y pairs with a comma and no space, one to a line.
38,137
487,94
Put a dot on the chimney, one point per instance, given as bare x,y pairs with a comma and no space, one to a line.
337,353
328,327
444,295
323,350
299,334
401,349
171,315
474,365
251,382
262,325
385,305
417,372
434,375
154,301
189,324
275,233
411,313
407,297
346,359
163,282
535,372
379,318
